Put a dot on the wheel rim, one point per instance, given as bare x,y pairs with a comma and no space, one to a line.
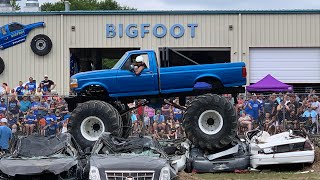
41,44
91,128
210,122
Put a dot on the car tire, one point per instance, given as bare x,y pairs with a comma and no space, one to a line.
2,65
41,45
90,119
126,120
210,122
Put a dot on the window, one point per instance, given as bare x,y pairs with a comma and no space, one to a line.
131,60
15,27
3,31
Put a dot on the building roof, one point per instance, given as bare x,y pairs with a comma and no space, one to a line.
166,12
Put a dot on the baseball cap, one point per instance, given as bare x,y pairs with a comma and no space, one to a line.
45,75
4,120
139,59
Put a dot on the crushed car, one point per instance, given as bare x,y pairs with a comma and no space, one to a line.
39,157
132,158
229,159
291,147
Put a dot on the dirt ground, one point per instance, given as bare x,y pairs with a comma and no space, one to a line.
268,173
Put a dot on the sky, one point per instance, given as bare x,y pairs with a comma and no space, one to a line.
216,4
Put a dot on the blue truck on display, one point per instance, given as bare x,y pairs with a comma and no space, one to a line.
101,97
16,33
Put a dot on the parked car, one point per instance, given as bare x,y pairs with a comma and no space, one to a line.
234,157
284,148
39,157
133,158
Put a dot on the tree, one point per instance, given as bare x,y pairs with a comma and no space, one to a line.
15,5
88,5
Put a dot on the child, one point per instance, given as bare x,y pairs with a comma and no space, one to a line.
42,124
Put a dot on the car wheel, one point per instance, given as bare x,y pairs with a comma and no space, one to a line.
210,122
90,119
2,66
41,45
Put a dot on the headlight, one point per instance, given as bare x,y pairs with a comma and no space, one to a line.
94,173
73,83
165,173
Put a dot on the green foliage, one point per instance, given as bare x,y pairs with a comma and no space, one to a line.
15,5
108,63
87,5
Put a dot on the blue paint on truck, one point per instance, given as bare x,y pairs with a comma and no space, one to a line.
16,33
154,80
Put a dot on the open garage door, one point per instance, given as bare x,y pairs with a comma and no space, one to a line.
289,65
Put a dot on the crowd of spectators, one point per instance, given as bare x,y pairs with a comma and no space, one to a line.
279,112
34,108
162,123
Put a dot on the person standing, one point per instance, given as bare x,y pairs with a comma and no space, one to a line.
5,135
31,85
48,84
14,106
19,90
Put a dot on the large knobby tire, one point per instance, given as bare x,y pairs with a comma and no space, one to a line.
210,122
126,120
1,65
41,45
90,119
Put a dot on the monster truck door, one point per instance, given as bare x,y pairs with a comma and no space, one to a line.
4,37
130,83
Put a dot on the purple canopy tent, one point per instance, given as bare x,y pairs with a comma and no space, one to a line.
269,83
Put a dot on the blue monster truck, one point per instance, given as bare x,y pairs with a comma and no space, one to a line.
16,33
209,120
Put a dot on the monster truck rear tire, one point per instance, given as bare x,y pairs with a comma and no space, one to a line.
210,122
90,119
1,65
126,120
41,45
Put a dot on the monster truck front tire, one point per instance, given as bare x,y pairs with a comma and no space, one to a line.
210,122
90,119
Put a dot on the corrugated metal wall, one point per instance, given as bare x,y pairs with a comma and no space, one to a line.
21,62
249,30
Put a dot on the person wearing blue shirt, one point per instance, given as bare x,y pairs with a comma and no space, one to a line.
50,116
52,128
256,107
32,86
30,122
35,105
5,135
310,113
25,104
158,117
133,117
19,90
3,106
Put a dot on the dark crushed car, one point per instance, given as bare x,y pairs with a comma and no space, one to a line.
43,158
236,156
138,158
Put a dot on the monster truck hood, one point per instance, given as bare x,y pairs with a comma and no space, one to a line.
95,74
30,166
127,162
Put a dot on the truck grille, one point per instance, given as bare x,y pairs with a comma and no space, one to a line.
130,175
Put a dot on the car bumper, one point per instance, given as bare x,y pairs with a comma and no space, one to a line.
282,158
223,165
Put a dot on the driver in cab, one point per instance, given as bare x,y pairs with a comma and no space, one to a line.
139,65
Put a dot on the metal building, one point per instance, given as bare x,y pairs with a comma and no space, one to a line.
284,43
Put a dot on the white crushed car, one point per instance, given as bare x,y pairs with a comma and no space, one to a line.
283,148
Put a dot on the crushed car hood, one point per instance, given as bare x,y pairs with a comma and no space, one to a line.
127,162
14,167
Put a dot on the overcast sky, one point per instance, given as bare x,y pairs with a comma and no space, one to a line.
216,4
